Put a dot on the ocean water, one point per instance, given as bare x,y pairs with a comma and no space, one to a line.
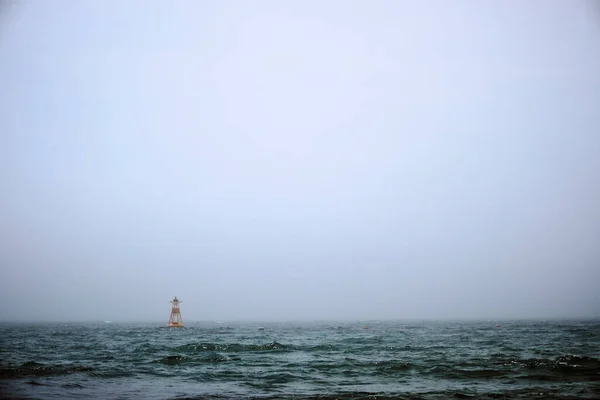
325,360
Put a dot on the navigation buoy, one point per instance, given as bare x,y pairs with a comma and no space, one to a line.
175,320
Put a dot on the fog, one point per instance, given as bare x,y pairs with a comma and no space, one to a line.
300,160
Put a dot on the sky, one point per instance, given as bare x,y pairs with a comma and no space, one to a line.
299,160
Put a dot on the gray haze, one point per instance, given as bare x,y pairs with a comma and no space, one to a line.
281,160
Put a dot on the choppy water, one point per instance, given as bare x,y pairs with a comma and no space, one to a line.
317,360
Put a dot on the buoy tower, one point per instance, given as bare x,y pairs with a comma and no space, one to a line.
175,320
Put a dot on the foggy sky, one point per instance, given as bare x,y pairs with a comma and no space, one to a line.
281,160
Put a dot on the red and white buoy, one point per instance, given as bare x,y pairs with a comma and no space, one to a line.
175,320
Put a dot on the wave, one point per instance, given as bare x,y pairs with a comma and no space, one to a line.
233,347
563,363
35,369
32,368
178,360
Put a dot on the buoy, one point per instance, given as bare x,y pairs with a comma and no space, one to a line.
175,320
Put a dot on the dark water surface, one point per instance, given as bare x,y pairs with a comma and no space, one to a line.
398,360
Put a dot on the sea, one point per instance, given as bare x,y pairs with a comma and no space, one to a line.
302,360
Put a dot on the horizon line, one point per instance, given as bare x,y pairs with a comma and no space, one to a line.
304,320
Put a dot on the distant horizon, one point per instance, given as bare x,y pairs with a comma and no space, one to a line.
316,321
